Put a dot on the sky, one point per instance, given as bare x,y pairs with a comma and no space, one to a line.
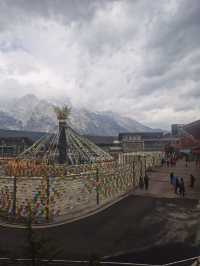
139,58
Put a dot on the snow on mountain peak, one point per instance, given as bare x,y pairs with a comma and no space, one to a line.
32,113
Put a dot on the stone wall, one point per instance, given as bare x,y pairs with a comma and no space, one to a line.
84,188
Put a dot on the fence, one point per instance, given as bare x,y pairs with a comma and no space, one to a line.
84,188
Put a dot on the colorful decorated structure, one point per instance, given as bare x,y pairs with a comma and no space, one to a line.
66,175
65,146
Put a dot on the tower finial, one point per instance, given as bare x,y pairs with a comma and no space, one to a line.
62,113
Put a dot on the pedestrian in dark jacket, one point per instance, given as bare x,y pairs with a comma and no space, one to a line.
182,187
163,162
171,178
146,182
177,185
141,183
167,162
192,181
186,161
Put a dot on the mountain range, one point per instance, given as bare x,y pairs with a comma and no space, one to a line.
34,114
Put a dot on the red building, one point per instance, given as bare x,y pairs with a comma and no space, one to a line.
193,129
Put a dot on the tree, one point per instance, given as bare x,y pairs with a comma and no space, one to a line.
38,246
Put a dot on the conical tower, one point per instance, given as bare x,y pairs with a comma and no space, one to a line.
66,146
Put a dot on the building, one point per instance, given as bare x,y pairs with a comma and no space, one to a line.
145,141
135,142
131,142
176,129
188,137
193,129
109,144
13,142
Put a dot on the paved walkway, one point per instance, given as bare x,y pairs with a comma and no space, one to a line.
159,185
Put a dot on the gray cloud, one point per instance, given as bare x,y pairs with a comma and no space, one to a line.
138,58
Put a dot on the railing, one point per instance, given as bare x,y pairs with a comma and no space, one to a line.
44,261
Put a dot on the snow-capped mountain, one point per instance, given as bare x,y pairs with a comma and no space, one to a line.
9,122
31,113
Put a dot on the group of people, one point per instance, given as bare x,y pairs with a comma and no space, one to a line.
179,184
187,161
169,161
144,182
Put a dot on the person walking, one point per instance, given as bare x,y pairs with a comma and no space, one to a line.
141,183
175,161
171,161
168,163
177,185
163,162
171,178
192,181
186,161
182,187
146,182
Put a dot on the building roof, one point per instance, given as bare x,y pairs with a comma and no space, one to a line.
144,135
169,139
102,140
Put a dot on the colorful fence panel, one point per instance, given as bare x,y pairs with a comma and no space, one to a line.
6,196
31,198
72,193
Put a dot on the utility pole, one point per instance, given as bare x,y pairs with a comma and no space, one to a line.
14,196
48,201
133,173
97,185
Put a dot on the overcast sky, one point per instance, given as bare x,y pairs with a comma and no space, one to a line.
140,58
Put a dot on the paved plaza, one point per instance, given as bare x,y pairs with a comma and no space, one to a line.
159,184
